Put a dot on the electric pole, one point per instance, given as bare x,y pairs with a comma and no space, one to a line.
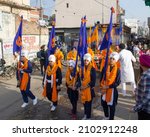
40,20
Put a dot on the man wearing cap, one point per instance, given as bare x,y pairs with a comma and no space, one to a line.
127,73
59,57
72,83
88,80
142,91
23,76
108,87
52,82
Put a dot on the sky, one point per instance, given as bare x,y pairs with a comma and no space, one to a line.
133,8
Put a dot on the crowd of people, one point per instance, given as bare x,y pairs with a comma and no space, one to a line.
80,81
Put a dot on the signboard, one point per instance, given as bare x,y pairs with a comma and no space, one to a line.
31,44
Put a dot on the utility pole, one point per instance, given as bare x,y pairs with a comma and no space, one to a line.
102,11
40,19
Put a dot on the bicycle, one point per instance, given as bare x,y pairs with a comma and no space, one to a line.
7,72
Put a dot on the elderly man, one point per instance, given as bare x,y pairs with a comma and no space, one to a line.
109,86
127,72
87,85
23,76
52,82
143,89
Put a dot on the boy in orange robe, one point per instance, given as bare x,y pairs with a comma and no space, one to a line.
87,85
109,86
23,76
52,82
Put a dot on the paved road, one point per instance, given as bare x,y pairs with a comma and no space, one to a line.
10,102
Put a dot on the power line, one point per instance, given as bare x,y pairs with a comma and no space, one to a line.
102,4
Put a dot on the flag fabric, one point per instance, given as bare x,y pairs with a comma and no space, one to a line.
107,41
17,43
95,35
83,44
89,36
51,42
79,49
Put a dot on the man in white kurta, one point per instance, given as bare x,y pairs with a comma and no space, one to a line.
127,73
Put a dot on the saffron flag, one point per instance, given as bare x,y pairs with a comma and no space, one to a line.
107,41
95,35
17,43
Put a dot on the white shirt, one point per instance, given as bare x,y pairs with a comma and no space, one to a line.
127,73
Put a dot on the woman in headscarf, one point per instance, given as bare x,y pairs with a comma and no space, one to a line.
108,87
142,91
72,83
52,82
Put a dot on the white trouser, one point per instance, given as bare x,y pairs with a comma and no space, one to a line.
133,86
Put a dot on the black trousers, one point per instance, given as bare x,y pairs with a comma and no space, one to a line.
42,63
73,97
142,115
109,110
49,94
88,108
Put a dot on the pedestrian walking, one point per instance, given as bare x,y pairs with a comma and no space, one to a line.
127,73
23,76
109,86
87,85
52,82
72,84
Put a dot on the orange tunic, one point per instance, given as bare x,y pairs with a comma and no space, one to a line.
72,55
59,56
25,78
86,93
110,79
52,71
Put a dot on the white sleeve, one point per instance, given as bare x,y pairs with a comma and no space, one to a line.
133,58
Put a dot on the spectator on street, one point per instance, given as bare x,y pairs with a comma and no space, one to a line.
142,91
43,59
127,72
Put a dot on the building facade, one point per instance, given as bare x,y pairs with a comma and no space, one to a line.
69,13
33,34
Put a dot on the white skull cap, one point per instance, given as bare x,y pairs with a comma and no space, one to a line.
52,58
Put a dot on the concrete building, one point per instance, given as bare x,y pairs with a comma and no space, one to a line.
33,35
133,24
69,13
